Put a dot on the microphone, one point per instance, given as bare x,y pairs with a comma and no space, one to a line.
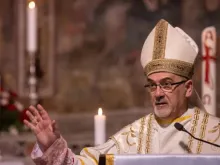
180,127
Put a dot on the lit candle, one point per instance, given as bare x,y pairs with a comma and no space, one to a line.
31,27
99,121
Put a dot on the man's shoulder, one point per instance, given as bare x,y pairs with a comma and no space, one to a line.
205,117
208,127
214,119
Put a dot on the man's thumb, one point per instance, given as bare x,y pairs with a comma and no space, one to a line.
55,128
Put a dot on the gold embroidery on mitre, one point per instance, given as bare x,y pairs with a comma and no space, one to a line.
178,67
160,38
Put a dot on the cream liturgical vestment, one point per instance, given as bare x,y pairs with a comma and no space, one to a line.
144,136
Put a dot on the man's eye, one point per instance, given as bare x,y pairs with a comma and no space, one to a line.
152,85
166,84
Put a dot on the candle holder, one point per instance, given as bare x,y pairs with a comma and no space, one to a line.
33,96
43,51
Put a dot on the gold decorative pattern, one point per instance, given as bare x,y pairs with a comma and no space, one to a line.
81,161
109,159
116,144
141,132
202,132
179,119
91,155
130,133
148,138
178,67
160,38
193,128
213,130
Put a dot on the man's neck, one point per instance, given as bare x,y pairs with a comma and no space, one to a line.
165,122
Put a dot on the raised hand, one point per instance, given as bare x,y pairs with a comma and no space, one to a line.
42,126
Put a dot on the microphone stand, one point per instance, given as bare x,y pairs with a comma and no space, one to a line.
181,128
216,145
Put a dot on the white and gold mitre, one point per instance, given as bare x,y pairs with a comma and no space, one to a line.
169,49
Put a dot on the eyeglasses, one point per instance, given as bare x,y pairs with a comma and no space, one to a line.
165,86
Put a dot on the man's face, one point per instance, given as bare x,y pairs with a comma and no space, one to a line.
169,99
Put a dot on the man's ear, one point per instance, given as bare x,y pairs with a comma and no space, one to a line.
189,88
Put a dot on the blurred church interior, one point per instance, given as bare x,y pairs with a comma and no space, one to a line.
85,56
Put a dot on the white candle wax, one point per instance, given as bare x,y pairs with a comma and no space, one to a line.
100,124
31,27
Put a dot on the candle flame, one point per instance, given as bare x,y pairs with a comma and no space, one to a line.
100,111
31,5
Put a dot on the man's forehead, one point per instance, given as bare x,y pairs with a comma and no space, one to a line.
162,76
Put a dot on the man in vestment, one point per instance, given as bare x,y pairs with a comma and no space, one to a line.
167,58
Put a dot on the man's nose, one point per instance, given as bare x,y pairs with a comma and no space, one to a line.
159,92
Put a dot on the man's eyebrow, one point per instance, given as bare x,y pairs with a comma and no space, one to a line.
164,79
150,80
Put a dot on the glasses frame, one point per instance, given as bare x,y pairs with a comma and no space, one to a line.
172,84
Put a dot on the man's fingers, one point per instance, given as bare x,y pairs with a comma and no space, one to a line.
29,125
40,108
30,115
43,112
35,113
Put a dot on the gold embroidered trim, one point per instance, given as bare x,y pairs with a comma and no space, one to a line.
116,144
180,119
109,159
141,132
148,138
91,155
202,132
193,128
160,38
81,161
213,130
130,133
178,67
